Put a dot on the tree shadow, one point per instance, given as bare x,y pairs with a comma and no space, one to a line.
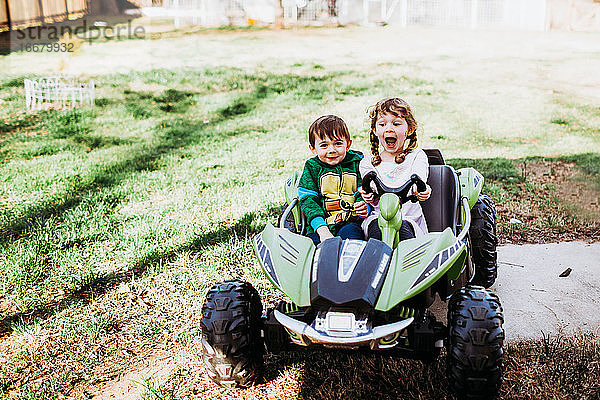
249,224
19,124
174,134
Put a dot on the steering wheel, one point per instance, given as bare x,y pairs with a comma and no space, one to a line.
401,192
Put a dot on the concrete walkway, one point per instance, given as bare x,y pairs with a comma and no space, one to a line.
536,299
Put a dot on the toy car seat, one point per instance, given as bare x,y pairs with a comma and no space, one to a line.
441,209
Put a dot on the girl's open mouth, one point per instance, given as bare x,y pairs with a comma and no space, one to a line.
390,141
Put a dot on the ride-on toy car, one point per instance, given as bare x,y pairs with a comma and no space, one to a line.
373,294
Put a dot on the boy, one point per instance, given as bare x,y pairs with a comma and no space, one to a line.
328,188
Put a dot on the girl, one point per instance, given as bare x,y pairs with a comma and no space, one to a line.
393,129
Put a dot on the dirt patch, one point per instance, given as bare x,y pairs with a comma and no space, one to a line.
570,184
178,373
555,203
7,306
145,378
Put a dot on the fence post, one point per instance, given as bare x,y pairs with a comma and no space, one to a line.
203,13
474,14
404,13
544,13
8,15
176,21
41,17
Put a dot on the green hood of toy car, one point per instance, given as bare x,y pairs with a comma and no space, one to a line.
418,263
287,260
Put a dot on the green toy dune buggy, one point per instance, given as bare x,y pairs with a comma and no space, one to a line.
373,294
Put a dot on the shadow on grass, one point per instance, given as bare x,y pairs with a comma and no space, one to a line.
78,188
560,366
26,122
173,134
249,224
347,374
7,127
495,169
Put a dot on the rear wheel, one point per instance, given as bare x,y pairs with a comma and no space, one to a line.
474,363
232,346
484,241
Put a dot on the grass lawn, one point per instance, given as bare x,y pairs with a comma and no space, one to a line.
115,220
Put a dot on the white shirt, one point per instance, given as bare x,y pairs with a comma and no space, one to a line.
395,175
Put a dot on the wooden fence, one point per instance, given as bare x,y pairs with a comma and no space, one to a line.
21,14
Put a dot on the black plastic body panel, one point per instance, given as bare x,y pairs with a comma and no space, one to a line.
358,291
434,157
446,288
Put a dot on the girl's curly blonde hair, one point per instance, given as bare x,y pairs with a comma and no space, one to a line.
399,108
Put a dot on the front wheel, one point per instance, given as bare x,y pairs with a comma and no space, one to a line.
232,345
476,337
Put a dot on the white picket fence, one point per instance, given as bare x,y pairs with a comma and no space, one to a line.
523,14
58,93
474,14
219,12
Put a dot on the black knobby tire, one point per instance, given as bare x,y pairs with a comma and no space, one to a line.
484,241
290,223
474,362
232,344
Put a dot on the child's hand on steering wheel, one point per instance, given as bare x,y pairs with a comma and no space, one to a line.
361,208
422,196
368,197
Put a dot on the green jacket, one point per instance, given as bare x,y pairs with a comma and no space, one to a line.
327,193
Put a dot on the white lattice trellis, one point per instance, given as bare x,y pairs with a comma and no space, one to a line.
58,93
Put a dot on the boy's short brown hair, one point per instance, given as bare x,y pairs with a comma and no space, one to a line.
328,126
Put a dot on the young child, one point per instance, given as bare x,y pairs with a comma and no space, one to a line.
393,129
328,187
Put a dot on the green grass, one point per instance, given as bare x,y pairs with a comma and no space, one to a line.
493,169
115,220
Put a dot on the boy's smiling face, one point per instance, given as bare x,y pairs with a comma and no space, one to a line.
331,151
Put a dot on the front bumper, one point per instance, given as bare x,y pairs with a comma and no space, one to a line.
305,335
